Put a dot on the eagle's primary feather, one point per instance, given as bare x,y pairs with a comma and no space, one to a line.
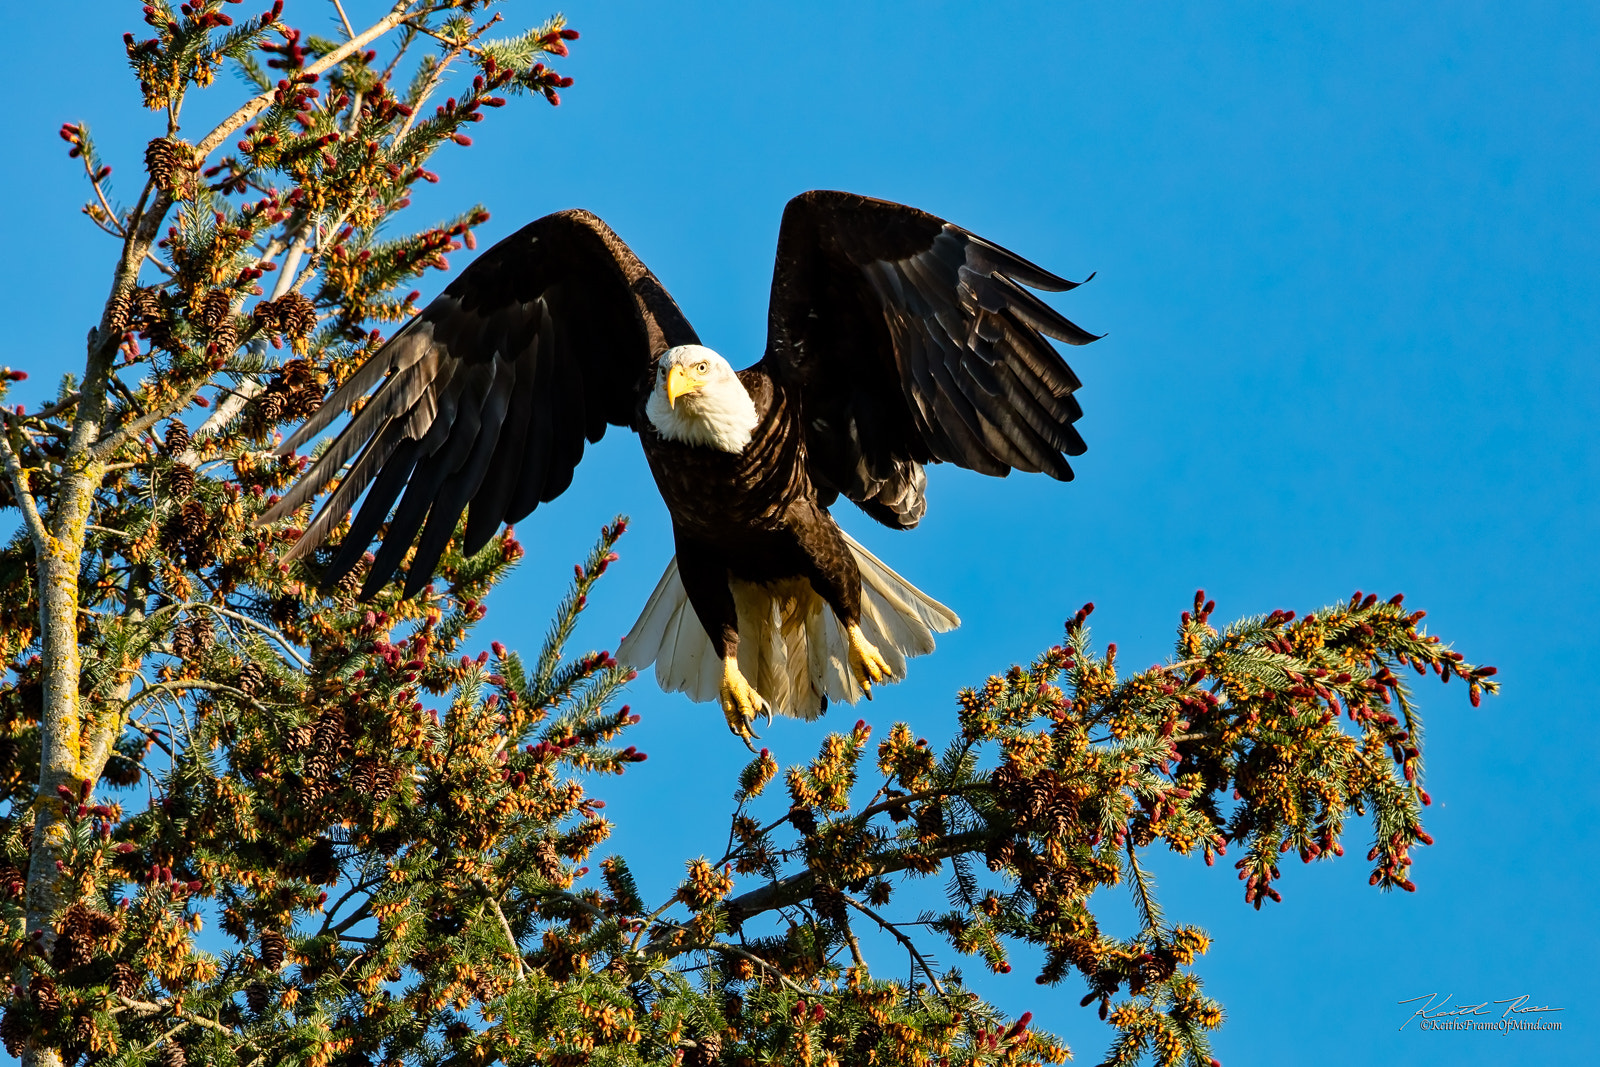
895,339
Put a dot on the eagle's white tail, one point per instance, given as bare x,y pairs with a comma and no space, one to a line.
792,647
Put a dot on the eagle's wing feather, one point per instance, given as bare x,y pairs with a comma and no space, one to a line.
484,401
911,341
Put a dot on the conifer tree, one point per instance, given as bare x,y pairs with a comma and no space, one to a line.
400,843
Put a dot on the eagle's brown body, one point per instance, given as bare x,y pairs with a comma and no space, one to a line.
895,339
752,516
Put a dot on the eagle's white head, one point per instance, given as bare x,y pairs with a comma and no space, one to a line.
698,399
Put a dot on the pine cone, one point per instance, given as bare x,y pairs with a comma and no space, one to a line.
172,1055
330,732
1000,853
364,779
321,865
12,880
272,406
155,322
225,338
804,819
177,438
267,316
315,785
121,312
251,677
383,788
548,861
297,372
14,1029
193,638
1061,811
182,479
214,308
929,820
297,314
76,933
167,160
298,739
193,525
866,1039
707,1048
124,980
257,996
303,401
44,995
273,947
829,904
146,306
71,951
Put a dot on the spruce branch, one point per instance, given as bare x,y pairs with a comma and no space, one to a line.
20,489
909,945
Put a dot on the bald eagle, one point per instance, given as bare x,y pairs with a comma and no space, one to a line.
895,339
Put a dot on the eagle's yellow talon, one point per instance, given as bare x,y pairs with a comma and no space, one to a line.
866,663
741,703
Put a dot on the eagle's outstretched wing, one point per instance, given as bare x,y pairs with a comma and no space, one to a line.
911,341
484,400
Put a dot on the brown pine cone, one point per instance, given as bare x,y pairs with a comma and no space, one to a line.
214,307
804,819
273,947
182,480
829,904
76,933
161,159
194,637
14,1030
267,316
172,1055
257,996
272,406
383,788
192,522
121,309
929,820
225,338
866,1039
177,438
297,372
329,735
146,306
303,400
548,861
297,314
12,880
298,739
251,678
44,995
1000,853
321,864
71,951
124,980
707,1048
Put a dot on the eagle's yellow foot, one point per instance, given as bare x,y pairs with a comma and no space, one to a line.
865,661
740,702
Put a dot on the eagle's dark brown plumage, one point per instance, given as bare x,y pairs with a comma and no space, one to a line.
895,339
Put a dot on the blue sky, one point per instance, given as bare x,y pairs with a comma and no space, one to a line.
1347,268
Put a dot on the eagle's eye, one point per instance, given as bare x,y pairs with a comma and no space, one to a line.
702,368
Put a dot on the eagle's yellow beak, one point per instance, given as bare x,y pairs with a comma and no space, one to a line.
678,383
